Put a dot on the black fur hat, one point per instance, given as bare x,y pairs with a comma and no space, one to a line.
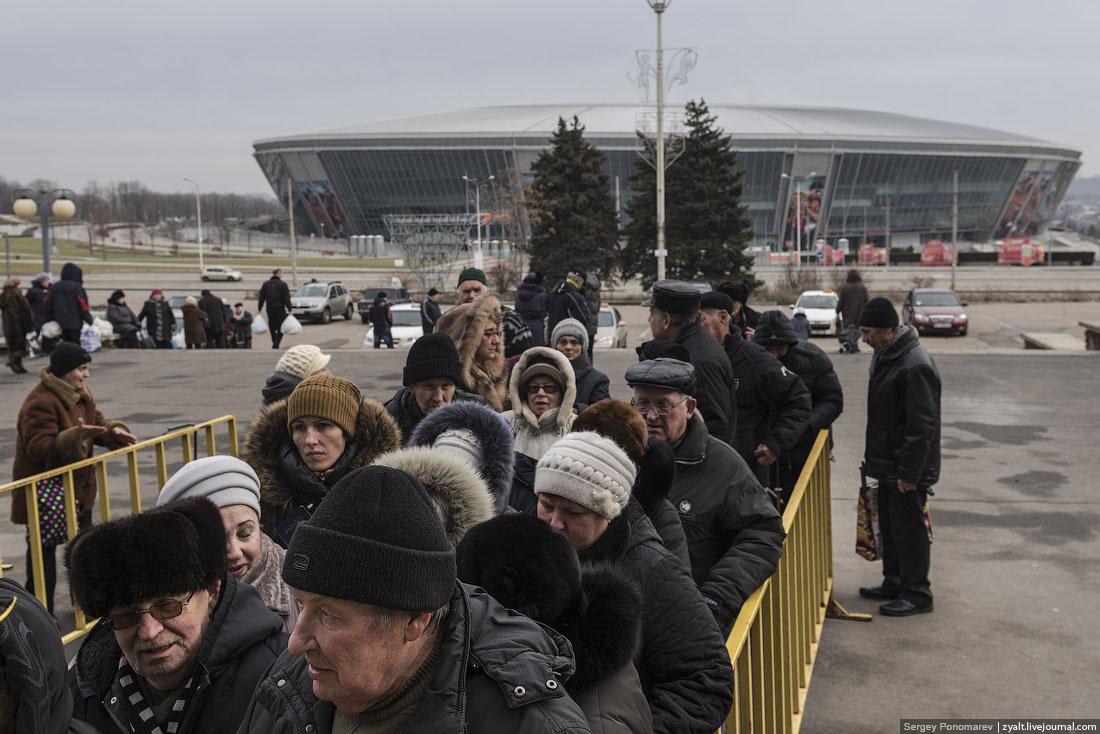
169,550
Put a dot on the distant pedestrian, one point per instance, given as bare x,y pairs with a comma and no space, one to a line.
275,295
242,327
159,320
430,311
566,301
852,298
123,320
591,289
745,318
18,322
296,364
36,297
215,320
381,320
571,339
531,306
67,303
194,324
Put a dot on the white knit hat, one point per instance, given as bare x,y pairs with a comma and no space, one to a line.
224,480
588,469
302,361
462,444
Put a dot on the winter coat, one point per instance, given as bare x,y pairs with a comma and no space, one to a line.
159,320
517,337
714,386
194,324
591,291
850,302
535,434
47,437
242,329
592,385
497,671
379,315
36,297
289,491
652,486
493,436
274,294
567,301
734,533
405,410
683,663
17,317
465,324
810,362
531,306
903,413
278,387
215,314
122,318
67,303
773,404
242,639
429,315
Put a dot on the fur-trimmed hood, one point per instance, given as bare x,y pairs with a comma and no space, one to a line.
534,355
494,438
459,495
465,324
375,434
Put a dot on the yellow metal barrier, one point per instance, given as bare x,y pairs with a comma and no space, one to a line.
775,639
159,446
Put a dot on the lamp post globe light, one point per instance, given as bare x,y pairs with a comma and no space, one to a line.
58,203
479,259
659,7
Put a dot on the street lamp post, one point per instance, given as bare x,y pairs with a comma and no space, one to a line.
798,212
27,203
198,217
659,7
479,260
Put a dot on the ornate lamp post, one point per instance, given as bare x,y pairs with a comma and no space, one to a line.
659,7
479,260
27,203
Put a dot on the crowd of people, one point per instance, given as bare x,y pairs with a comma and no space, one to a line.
502,546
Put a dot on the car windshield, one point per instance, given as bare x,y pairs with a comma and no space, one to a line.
816,302
937,299
607,318
177,301
405,318
312,290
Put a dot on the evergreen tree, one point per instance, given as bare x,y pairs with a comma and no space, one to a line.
573,217
706,228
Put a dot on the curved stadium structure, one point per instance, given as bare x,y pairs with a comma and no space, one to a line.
847,173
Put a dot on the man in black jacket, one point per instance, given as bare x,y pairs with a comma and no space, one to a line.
215,326
67,303
429,311
275,294
36,297
903,454
775,332
566,301
674,316
773,405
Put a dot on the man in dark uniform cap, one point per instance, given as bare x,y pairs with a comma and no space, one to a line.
674,315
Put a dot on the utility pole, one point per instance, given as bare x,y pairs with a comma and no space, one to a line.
887,230
659,7
7,257
293,234
954,228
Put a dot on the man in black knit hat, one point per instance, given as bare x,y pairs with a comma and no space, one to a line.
432,376
903,454
388,638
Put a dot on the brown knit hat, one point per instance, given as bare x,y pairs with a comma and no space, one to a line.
325,396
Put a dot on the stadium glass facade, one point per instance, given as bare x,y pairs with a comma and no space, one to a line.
836,173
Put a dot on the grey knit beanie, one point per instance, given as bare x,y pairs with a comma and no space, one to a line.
224,480
570,327
462,444
588,469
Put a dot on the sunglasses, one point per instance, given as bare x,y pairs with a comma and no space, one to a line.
161,611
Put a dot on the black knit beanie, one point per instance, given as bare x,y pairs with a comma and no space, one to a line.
66,357
473,274
375,539
879,313
432,356
774,330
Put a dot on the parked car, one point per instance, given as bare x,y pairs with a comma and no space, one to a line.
221,272
393,295
611,332
820,310
320,301
406,326
934,311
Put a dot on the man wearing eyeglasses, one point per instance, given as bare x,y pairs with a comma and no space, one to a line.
181,644
734,533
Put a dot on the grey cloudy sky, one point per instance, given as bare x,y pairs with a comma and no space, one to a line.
154,91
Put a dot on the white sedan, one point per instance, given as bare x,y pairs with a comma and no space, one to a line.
406,326
820,310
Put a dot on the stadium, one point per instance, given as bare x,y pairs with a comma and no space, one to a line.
856,174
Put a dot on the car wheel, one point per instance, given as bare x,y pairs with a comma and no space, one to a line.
962,332
363,318
349,313
205,278
326,316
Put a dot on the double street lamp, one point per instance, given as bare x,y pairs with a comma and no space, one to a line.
659,7
27,203
479,259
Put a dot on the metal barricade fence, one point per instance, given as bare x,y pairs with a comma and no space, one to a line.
159,445
775,638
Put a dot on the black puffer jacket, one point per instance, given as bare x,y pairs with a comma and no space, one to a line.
567,301
714,386
497,672
734,533
810,362
683,663
404,409
122,318
903,413
592,385
243,638
67,303
215,313
36,297
275,295
531,306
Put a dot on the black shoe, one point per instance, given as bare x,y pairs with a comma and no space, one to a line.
878,592
902,607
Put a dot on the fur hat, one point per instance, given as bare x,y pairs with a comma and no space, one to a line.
169,550
618,421
588,469
325,396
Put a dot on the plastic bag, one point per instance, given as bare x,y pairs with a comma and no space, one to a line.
51,330
104,327
291,325
90,339
178,342
259,325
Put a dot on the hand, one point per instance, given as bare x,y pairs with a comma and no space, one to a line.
123,437
89,431
904,486
764,455
749,331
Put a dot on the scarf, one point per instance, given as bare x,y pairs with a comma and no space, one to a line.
306,486
902,331
137,711
266,576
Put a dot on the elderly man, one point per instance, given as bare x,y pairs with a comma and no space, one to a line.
517,337
734,533
903,454
181,644
431,378
674,316
773,404
389,640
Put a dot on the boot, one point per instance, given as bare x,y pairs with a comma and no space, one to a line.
17,367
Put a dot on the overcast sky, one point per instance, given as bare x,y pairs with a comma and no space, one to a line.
155,91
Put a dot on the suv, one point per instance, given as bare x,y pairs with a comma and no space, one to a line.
320,301
393,295
221,272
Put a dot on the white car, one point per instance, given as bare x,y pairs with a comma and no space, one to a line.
611,332
406,326
221,272
820,310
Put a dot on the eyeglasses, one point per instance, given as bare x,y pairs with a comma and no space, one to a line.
663,409
161,611
549,388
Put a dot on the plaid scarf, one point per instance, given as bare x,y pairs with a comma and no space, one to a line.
138,712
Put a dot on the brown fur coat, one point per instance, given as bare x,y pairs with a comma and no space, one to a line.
17,318
465,325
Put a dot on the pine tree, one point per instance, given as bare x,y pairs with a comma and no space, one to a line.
572,211
706,228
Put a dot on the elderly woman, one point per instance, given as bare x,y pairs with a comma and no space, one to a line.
251,556
194,323
18,321
122,319
571,339
57,425
475,328
302,446
542,389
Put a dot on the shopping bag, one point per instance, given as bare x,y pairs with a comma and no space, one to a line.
51,511
104,327
259,325
178,342
291,325
51,330
868,530
90,339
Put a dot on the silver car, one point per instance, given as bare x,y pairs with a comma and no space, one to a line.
317,301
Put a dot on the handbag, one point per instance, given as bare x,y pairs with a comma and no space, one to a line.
868,530
51,511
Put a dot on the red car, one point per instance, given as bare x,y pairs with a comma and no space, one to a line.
934,311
